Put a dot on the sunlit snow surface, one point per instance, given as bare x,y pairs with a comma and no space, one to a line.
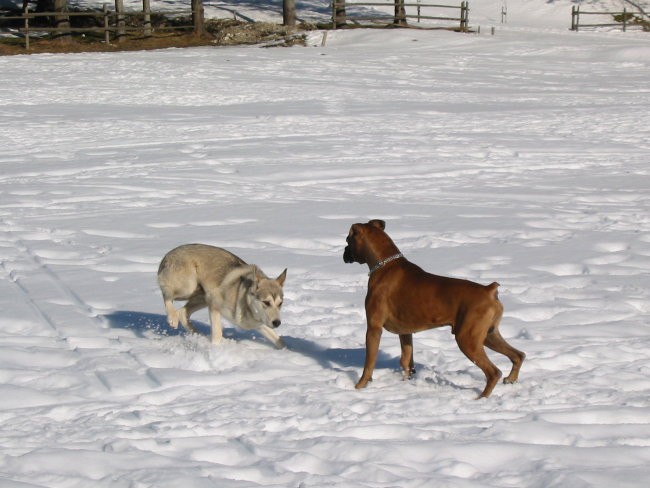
521,158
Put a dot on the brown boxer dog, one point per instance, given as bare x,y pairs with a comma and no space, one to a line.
403,299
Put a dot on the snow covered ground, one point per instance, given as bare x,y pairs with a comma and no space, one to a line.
521,158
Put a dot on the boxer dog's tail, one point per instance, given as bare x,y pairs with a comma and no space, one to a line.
492,289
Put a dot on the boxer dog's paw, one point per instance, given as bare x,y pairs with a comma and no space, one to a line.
362,383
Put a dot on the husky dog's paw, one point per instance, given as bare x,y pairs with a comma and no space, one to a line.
172,319
185,320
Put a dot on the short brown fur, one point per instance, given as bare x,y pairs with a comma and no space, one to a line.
403,299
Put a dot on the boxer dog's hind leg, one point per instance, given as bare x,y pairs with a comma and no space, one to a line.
470,338
497,343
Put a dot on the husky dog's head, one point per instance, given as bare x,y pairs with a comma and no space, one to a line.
265,297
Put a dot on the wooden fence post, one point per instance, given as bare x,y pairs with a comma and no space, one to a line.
198,17
289,12
575,18
464,16
400,13
339,17
62,21
26,26
624,19
146,10
107,32
121,22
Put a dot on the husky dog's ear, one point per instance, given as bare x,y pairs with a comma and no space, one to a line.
258,273
380,224
283,276
252,276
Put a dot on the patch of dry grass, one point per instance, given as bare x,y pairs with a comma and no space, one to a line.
218,33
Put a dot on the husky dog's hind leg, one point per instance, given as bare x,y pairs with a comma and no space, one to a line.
195,302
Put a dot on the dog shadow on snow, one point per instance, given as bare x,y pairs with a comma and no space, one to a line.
338,358
342,359
348,361
143,324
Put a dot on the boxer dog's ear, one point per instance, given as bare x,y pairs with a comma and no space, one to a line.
354,229
380,224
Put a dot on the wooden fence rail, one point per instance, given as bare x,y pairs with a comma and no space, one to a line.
625,19
340,15
113,23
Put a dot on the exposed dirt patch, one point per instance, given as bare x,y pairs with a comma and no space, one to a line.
258,33
218,33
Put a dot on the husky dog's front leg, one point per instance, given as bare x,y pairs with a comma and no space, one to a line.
270,334
215,323
172,314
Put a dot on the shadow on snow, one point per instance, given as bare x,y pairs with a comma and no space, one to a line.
141,323
348,361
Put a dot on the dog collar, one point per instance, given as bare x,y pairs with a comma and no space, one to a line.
384,261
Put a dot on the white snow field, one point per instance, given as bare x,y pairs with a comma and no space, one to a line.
522,158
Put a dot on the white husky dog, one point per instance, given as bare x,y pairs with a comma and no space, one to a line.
208,276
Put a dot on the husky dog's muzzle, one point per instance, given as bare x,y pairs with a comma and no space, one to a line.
262,315
274,323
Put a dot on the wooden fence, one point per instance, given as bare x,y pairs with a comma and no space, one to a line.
113,23
627,19
341,8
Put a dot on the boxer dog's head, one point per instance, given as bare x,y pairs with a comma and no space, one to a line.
356,251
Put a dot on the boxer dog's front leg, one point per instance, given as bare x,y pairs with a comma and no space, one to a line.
373,336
